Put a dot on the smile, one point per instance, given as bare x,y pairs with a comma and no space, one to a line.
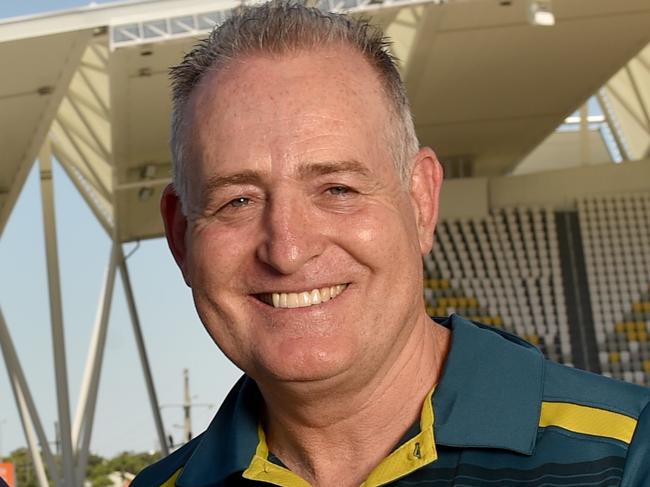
304,298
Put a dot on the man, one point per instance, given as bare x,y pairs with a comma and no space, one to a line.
299,214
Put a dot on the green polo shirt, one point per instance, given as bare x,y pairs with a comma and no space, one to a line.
501,415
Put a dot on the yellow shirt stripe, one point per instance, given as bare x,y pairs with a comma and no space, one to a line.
588,420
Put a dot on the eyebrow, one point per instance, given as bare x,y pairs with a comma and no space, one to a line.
306,171
217,182
316,169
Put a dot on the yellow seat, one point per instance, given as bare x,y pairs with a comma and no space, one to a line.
646,365
619,327
534,339
632,336
614,357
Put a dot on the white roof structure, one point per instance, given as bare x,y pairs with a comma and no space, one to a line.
89,86
486,86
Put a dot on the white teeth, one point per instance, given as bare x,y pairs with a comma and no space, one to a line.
292,300
305,298
325,294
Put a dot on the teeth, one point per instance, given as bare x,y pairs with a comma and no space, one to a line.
305,298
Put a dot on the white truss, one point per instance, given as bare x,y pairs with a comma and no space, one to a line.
201,23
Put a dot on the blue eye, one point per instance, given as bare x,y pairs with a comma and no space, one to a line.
338,190
239,202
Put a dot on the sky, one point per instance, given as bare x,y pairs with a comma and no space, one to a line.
174,336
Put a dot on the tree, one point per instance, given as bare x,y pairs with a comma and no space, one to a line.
96,473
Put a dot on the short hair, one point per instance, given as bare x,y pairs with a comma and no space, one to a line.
280,27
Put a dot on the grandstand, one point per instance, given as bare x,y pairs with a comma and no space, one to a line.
540,232
567,269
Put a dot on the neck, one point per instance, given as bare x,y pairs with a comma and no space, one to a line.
319,430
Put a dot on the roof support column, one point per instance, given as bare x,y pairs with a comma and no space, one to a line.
29,418
142,352
85,415
613,126
56,316
585,150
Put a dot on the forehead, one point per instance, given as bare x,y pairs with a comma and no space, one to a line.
286,100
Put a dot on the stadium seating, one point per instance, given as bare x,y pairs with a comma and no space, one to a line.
616,243
503,270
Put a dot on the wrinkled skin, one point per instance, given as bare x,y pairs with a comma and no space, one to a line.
292,187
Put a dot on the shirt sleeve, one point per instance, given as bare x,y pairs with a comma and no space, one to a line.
637,465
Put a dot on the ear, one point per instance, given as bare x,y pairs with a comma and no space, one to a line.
175,228
426,180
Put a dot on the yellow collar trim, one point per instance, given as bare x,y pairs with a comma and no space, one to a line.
412,455
171,481
263,470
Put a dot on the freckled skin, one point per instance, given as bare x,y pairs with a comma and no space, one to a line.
272,116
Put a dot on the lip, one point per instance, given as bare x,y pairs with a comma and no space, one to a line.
296,288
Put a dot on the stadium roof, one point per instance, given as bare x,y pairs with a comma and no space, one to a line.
486,86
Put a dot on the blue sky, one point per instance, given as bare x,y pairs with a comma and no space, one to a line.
175,337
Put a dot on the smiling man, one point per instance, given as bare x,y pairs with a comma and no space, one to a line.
301,208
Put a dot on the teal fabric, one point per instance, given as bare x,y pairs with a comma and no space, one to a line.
474,404
487,408
637,465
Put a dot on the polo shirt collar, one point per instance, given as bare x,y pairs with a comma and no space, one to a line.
229,443
490,392
489,396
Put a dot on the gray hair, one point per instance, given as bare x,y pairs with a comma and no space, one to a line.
280,27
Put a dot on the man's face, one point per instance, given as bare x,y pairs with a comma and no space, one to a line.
294,199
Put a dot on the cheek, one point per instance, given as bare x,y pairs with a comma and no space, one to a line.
215,255
383,233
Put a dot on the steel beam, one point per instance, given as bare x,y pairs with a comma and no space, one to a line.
29,418
639,96
45,120
97,181
91,87
89,127
56,316
142,352
585,149
628,108
613,126
84,187
85,415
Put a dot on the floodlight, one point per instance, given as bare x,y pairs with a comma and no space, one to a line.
540,13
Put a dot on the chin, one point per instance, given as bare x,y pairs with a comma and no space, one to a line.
306,360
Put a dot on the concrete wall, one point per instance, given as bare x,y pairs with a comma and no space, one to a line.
464,198
474,197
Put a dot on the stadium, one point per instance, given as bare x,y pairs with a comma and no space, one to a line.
539,112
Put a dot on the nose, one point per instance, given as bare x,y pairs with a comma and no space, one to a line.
291,235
